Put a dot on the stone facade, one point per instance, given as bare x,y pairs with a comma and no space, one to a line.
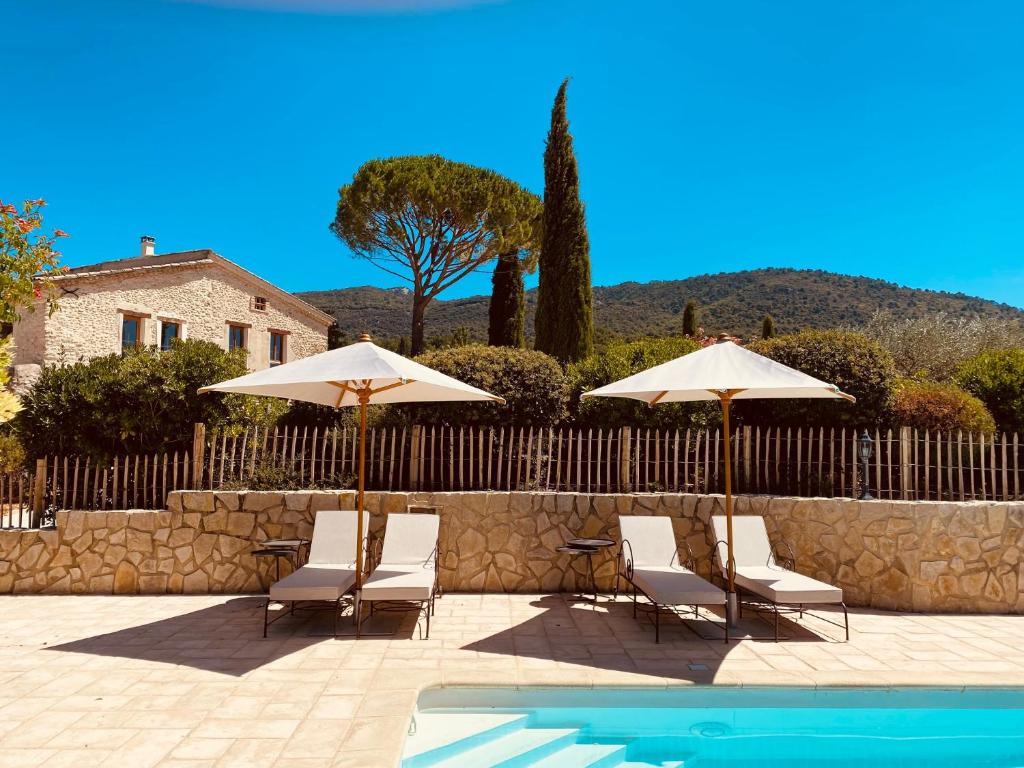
202,292
954,557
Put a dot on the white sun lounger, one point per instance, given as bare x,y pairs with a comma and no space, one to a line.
407,572
649,562
330,572
763,580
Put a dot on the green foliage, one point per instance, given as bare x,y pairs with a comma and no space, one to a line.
768,327
938,406
735,302
851,361
565,312
28,260
273,475
139,402
12,455
691,320
432,221
507,309
624,358
532,384
996,378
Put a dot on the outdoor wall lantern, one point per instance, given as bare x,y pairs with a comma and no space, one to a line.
866,449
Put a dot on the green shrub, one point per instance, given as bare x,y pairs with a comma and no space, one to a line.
12,455
853,362
939,406
997,379
532,384
138,402
624,358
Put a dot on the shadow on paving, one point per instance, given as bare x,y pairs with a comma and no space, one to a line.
228,637
606,636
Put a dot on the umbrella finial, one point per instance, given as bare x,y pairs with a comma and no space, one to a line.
365,337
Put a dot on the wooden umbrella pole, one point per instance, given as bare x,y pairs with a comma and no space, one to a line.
364,399
726,399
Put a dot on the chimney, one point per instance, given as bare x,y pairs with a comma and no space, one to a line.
148,245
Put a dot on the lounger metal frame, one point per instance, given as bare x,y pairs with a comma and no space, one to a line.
761,605
624,570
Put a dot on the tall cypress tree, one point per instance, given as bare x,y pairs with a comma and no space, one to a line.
767,327
690,319
565,312
507,314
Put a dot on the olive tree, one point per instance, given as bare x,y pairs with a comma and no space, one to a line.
431,221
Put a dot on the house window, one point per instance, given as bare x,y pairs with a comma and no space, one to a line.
168,333
236,337
131,332
260,303
276,348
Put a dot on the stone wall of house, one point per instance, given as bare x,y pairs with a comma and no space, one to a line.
956,557
204,297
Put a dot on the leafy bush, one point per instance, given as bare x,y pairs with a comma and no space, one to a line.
997,379
939,405
934,347
531,382
624,358
138,402
12,455
850,360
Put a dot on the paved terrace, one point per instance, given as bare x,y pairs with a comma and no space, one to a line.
188,681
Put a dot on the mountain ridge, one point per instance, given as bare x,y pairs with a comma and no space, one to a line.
730,301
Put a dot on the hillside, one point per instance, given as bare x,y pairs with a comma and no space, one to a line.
731,301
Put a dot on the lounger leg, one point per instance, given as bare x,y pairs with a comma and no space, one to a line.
727,630
359,617
657,623
337,610
428,622
846,621
776,609
615,589
266,615
634,601
801,610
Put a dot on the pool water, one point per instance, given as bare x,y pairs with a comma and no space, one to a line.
717,727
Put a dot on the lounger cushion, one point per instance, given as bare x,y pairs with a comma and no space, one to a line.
651,540
398,581
783,586
675,585
315,582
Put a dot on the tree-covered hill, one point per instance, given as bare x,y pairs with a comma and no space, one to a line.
730,301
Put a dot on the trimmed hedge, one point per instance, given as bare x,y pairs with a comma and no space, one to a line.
939,406
624,358
850,360
997,379
531,382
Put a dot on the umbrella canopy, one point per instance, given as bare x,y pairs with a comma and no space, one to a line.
707,373
359,374
725,372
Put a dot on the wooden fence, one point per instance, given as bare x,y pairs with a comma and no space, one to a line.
820,461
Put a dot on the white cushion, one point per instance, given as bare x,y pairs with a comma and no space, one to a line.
651,539
750,543
399,581
315,582
675,585
784,586
334,536
410,539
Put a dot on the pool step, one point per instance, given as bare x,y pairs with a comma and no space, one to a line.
584,756
519,749
438,736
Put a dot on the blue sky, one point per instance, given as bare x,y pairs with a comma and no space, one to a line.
877,138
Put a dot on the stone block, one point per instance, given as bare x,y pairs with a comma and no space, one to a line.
197,501
229,501
126,579
241,523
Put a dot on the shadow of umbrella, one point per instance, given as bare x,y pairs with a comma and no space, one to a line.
225,638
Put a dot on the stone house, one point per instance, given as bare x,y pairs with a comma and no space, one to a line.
152,298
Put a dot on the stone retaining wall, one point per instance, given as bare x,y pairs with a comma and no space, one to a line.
960,557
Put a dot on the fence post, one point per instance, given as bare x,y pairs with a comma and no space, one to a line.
905,437
198,454
38,493
414,458
625,443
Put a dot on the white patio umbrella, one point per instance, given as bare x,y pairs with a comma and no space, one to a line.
359,374
725,372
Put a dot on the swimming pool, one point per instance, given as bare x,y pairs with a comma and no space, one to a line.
717,727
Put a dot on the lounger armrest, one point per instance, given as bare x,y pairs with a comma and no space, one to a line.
375,550
691,562
788,557
717,573
624,559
